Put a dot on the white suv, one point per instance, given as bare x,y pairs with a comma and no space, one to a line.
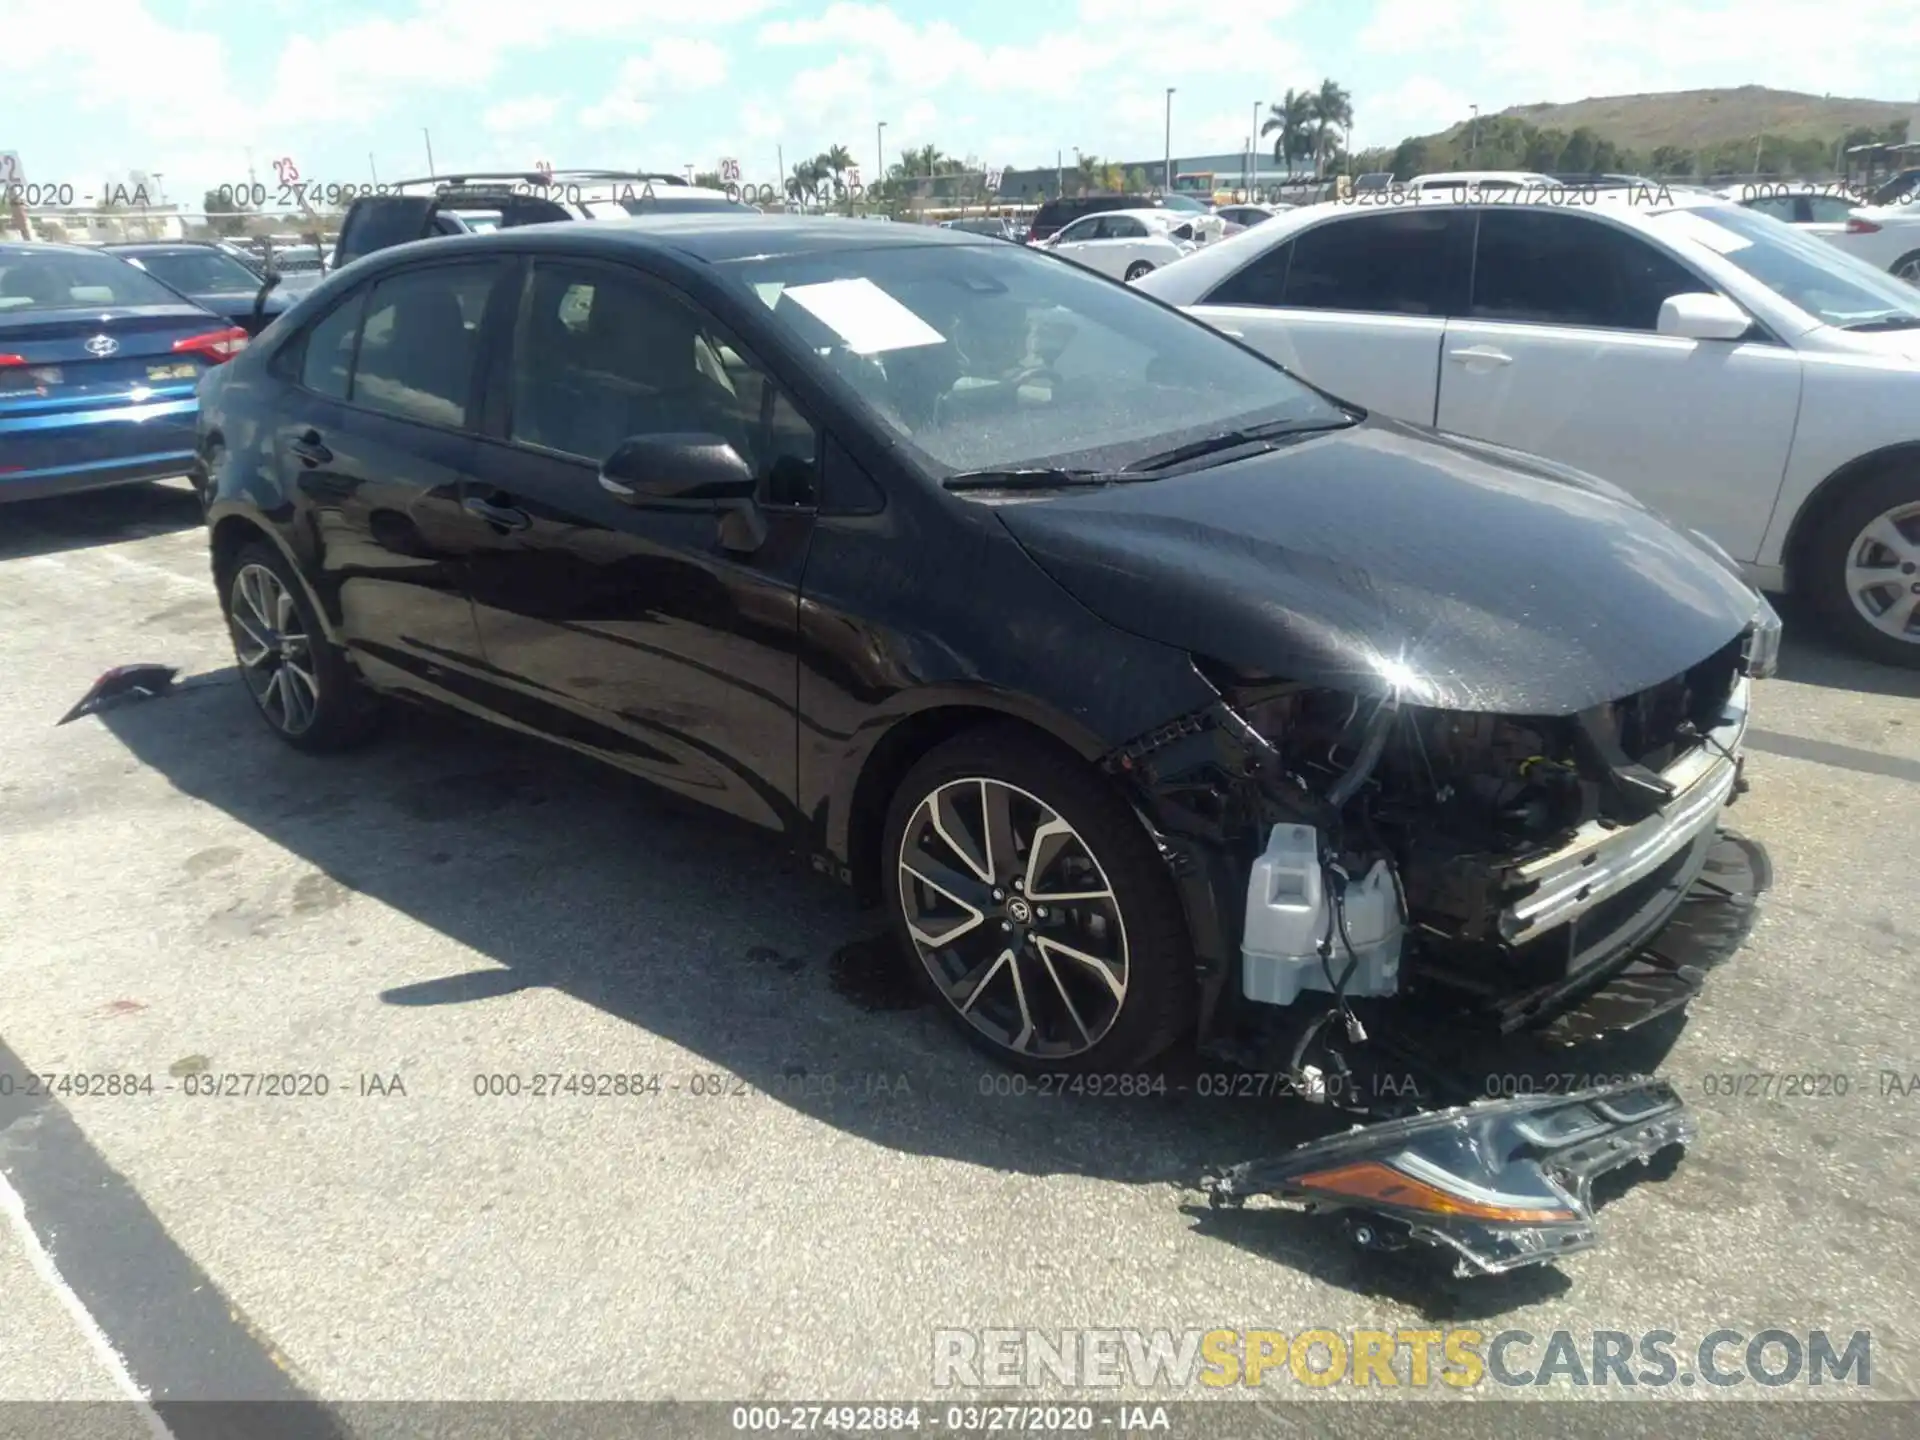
1749,381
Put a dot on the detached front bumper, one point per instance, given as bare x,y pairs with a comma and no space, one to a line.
1498,1185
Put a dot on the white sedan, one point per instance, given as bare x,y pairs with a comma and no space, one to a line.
1887,237
1125,244
1749,381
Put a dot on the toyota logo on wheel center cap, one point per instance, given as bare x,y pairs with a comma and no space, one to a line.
1017,910
102,345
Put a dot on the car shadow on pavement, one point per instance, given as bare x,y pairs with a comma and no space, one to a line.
713,935
97,517
1809,656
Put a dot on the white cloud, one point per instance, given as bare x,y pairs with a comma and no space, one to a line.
371,66
512,116
671,66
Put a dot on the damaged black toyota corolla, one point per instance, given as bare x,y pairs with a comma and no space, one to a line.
1159,696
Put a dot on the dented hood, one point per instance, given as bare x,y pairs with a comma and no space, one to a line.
1472,576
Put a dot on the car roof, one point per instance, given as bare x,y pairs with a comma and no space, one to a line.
47,247
158,247
1182,284
1135,212
1479,177
712,237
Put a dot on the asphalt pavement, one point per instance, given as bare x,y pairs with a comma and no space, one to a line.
807,1175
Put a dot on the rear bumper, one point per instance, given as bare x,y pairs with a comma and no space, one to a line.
64,452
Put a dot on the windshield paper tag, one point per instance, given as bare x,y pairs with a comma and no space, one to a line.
865,316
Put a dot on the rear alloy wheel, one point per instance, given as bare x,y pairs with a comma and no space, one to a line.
1907,268
301,684
274,649
1865,569
1138,268
1036,908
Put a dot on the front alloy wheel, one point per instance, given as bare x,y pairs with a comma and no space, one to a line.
1014,918
1883,573
275,652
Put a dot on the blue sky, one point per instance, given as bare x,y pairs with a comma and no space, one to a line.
184,88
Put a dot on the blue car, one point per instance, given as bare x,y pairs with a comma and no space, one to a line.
98,368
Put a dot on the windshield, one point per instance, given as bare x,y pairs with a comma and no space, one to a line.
67,279
989,356
196,272
1820,278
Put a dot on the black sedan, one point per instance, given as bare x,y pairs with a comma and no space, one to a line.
210,277
1157,695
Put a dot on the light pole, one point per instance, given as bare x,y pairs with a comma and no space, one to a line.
1168,182
879,152
373,169
1473,134
429,139
1253,151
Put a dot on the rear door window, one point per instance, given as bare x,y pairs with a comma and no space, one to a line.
1397,263
1261,281
420,341
326,362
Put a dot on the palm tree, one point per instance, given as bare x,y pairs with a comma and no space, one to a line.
927,160
804,183
1090,168
1289,122
1331,108
835,162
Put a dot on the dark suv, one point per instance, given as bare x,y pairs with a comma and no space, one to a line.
1156,694
474,202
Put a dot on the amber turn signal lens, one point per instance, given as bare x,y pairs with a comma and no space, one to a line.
1371,1180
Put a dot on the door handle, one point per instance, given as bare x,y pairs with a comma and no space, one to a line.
310,448
502,517
1236,334
1481,352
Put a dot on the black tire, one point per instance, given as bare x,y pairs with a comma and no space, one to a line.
1138,268
343,711
1155,952
1827,555
1907,268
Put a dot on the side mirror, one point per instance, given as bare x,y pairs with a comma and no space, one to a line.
686,471
1703,317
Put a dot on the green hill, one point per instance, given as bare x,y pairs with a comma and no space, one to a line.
1677,133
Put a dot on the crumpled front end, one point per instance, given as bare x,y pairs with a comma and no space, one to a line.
1371,877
